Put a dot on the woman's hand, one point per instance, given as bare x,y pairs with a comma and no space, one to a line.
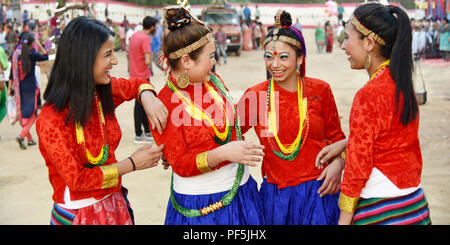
241,152
330,152
165,163
147,156
332,174
156,111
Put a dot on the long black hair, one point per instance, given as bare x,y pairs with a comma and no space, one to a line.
26,40
71,81
393,25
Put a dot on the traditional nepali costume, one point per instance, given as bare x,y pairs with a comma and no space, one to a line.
203,117
289,189
87,193
382,176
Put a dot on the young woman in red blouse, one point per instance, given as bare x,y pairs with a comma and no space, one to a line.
294,116
79,133
383,164
211,181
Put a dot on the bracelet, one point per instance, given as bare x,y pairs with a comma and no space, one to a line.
202,163
343,155
132,162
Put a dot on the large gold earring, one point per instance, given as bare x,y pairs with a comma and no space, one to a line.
183,80
368,61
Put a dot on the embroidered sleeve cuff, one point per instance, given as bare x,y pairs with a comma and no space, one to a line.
347,203
202,163
145,86
110,176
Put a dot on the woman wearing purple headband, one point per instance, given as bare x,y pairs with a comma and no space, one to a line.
294,116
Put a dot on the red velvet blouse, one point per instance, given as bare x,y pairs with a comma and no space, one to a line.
324,129
379,139
58,145
184,137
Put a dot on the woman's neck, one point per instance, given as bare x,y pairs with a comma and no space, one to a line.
375,63
290,84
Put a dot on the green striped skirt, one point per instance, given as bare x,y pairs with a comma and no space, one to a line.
411,209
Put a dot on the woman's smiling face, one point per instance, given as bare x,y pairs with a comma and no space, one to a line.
104,62
353,46
281,60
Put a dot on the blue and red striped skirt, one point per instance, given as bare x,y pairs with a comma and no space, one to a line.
113,210
411,209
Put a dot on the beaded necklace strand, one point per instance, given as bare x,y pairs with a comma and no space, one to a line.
200,115
103,155
380,68
290,151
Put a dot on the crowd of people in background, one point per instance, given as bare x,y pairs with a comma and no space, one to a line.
430,37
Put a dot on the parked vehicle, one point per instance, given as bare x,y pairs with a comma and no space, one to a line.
215,15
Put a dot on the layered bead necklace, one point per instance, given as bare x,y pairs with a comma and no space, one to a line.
99,160
290,151
199,114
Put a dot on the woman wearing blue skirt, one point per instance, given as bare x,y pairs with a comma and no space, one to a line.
211,183
294,117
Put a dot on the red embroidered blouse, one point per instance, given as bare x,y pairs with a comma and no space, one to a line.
58,146
324,128
184,137
379,139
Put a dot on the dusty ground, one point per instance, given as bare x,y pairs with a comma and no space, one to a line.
25,193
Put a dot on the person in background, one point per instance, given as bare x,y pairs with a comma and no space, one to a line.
320,38
4,65
329,34
221,41
25,87
444,39
139,60
297,25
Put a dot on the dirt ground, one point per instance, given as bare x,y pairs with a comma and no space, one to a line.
25,192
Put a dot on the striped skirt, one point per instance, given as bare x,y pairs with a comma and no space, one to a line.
113,210
411,209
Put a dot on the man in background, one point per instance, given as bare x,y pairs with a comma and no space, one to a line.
139,60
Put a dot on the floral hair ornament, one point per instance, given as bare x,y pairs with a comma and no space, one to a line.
163,62
366,32
195,45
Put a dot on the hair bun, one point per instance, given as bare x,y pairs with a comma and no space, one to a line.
286,19
177,18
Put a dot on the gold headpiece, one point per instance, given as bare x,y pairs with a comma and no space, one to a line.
366,32
278,18
282,38
192,47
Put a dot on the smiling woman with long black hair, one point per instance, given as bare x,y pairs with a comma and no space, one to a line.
78,129
381,183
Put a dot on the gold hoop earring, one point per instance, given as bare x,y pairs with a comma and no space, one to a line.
183,80
368,61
